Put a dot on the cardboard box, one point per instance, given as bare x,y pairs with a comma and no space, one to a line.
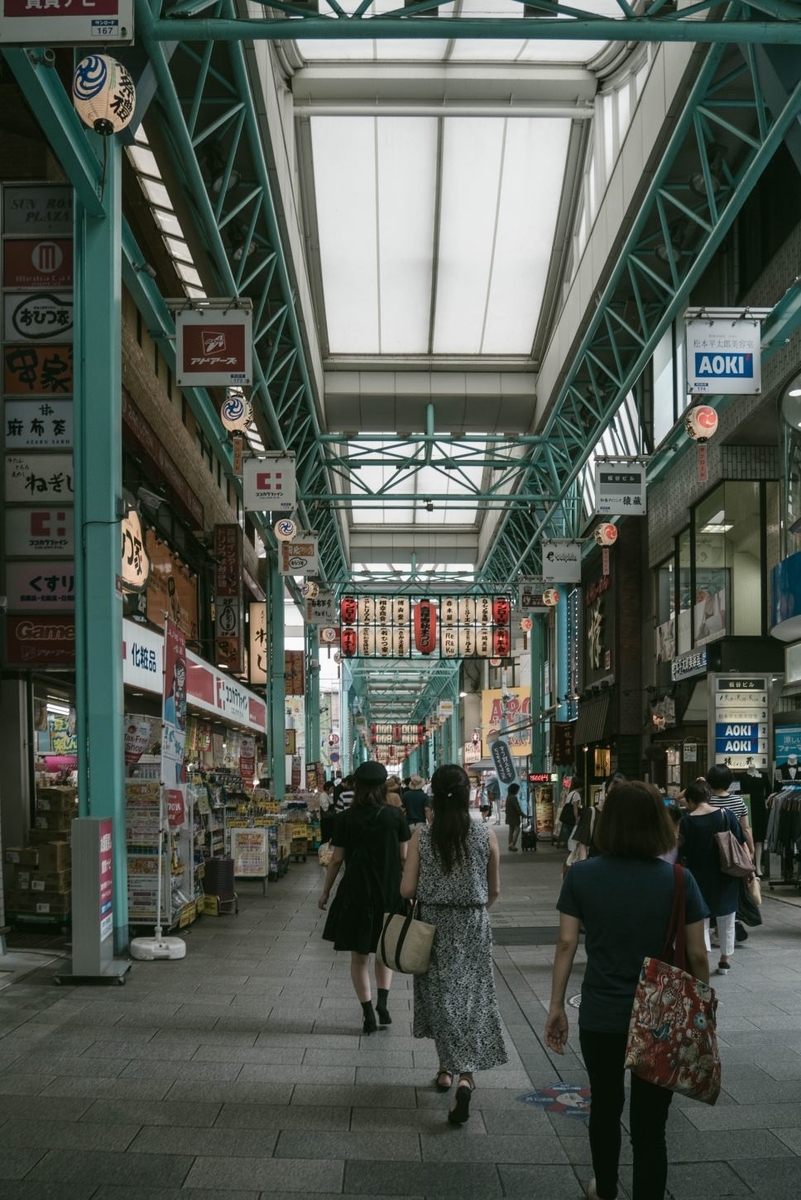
54,820
57,799
26,880
41,903
53,856
41,837
23,856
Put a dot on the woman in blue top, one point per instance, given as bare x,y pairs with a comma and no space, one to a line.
623,899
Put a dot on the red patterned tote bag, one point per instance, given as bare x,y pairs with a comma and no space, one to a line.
672,1039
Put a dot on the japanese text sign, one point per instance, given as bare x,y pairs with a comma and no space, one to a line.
620,490
268,484
213,347
71,22
724,356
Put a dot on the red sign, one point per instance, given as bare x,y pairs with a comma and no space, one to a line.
28,263
40,640
213,347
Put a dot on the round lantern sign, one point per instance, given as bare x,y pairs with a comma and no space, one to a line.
236,412
285,529
337,657
701,422
527,624
328,635
550,597
606,534
103,94
309,590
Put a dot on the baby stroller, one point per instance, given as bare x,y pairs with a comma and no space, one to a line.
528,836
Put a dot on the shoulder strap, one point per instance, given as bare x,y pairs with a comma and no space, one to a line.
674,948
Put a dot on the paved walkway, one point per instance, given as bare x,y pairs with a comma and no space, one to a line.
241,1073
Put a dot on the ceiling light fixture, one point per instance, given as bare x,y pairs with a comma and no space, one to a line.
714,160
216,165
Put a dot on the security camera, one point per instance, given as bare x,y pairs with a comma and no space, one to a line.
149,499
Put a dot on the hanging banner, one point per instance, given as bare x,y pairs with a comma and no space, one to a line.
141,734
229,616
299,557
247,760
294,673
620,490
515,704
322,609
213,347
563,743
268,484
724,355
504,764
134,563
257,659
173,730
561,561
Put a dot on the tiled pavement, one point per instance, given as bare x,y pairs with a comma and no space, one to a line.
241,1072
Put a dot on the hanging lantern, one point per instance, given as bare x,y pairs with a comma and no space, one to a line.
103,94
337,657
285,529
494,662
348,610
236,412
502,642
605,535
501,611
309,590
701,422
425,627
551,596
329,636
349,642
527,624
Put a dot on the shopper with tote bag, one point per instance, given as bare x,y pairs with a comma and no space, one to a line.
624,899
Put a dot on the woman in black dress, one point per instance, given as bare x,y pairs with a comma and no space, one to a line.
371,838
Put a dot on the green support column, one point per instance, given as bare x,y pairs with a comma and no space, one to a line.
276,689
345,732
312,693
455,722
537,697
98,490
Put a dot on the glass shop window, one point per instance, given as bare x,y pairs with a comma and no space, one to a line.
684,624
665,617
728,563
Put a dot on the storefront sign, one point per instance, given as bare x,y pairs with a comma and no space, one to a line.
724,356
72,22
507,713
268,484
142,653
41,477
563,743
323,609
683,666
620,490
32,209
40,587
141,734
38,424
290,741
172,588
561,561
786,741
106,879
740,737
229,608
37,370
690,752
48,640
213,347
502,758
665,636
34,263
294,673
37,316
530,589
257,659
134,562
299,557
173,731
39,532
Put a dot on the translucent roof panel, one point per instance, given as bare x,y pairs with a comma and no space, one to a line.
419,486
430,49
375,180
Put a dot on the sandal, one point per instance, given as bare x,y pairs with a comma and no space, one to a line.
439,1083
461,1109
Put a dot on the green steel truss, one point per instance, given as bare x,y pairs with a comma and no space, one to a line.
761,21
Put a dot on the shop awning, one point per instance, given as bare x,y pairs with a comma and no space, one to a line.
591,723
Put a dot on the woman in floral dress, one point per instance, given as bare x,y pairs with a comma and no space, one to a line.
452,867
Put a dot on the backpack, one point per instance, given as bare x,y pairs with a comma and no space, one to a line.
567,816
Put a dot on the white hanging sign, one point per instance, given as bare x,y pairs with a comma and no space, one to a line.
620,489
268,484
561,561
62,21
724,356
322,609
300,556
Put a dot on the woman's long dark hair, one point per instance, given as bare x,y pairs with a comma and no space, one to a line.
451,822
369,795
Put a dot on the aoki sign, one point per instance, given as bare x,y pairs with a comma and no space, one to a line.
724,355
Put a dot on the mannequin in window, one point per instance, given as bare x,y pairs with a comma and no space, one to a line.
789,770
754,784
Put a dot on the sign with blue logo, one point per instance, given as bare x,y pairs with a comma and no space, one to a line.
740,737
724,356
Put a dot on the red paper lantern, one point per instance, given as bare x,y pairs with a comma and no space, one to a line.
348,610
606,534
701,422
501,642
551,596
425,627
348,643
501,611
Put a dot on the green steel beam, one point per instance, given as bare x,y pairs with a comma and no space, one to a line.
676,28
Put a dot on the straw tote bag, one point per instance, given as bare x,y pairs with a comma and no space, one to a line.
672,1040
405,943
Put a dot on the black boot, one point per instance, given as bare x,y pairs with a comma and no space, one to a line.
381,1006
369,1024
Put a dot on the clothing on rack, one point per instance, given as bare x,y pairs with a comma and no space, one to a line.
783,834
756,787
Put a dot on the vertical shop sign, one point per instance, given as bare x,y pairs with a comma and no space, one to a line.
257,659
106,880
173,732
229,609
294,673
247,760
564,743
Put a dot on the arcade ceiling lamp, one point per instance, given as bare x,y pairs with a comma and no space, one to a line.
103,93
606,534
